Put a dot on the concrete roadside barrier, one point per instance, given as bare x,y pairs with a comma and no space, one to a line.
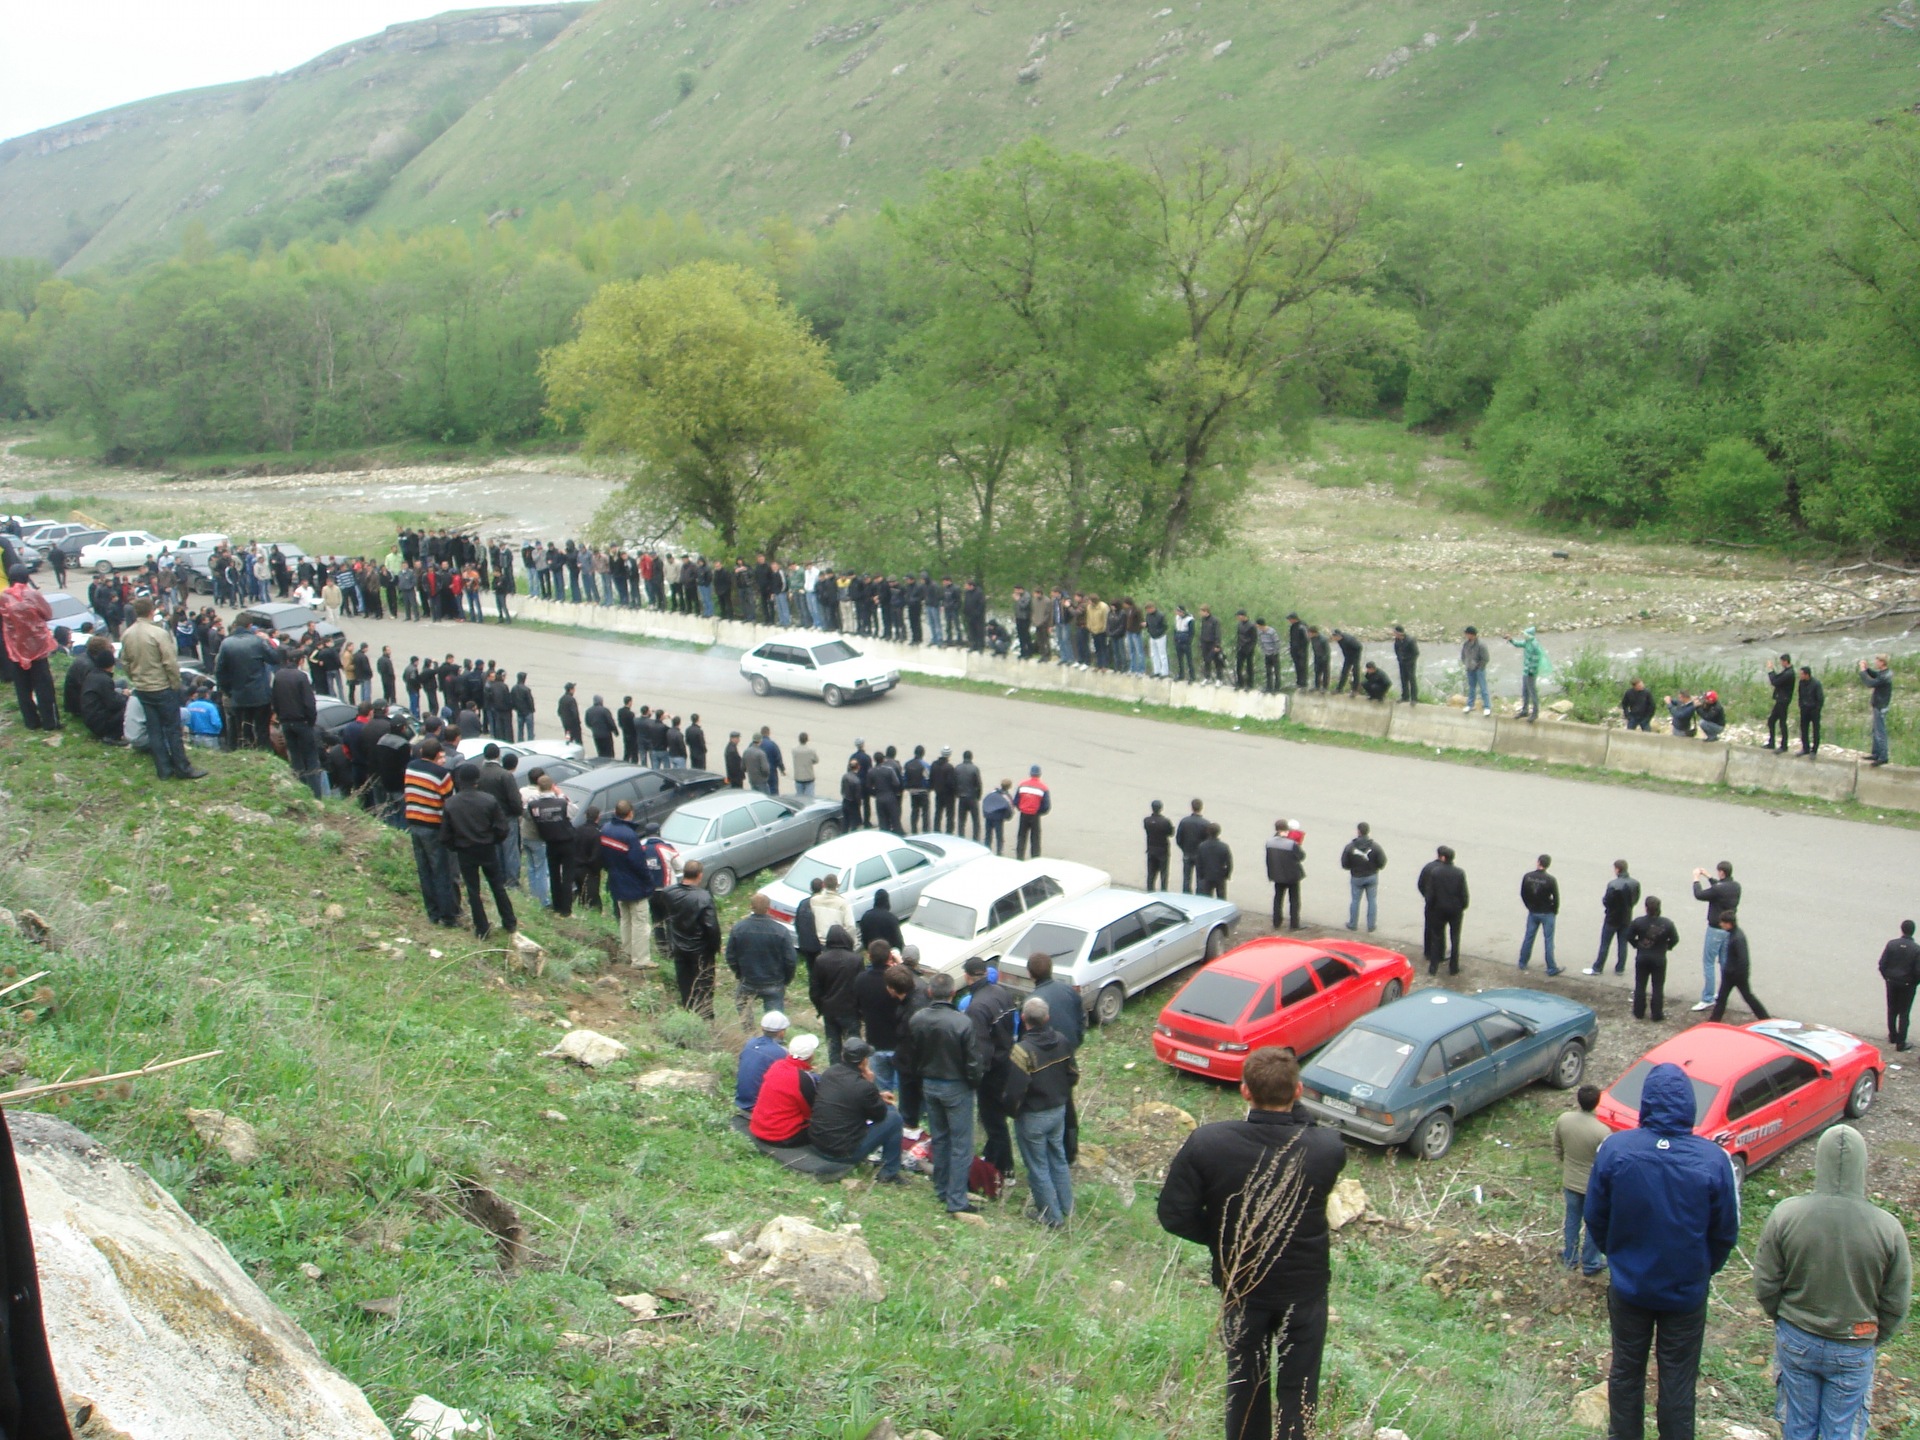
1442,726
1891,787
1821,776
1556,741
1320,711
1666,757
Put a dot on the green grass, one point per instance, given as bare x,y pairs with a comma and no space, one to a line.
380,1075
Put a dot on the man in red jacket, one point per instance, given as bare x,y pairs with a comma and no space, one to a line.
25,630
784,1108
1031,801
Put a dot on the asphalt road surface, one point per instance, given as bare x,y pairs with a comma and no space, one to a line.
1821,896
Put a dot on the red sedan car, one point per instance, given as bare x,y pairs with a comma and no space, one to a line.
1274,991
1758,1088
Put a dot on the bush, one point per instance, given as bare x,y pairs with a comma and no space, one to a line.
1734,490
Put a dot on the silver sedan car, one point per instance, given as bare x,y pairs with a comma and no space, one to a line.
736,832
869,861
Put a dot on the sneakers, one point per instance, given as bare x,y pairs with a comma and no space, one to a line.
194,772
964,1210
1596,970
1703,1005
897,1178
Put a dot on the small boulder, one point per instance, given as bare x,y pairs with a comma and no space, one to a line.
722,1239
1387,1432
641,1306
428,1419
229,1133
529,954
1158,1117
1589,1409
674,1080
1346,1203
1561,707
589,1048
820,1266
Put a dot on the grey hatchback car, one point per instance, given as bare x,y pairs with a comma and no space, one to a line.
737,832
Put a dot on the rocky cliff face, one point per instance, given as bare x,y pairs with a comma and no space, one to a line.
156,1333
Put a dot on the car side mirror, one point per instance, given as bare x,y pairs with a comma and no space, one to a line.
1825,1073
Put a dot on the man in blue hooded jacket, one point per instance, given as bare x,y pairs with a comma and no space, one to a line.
1663,1207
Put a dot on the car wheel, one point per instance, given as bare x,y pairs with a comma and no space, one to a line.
1860,1099
1109,1003
1432,1138
720,883
829,830
1394,990
1216,942
834,696
1739,1170
760,685
1568,1066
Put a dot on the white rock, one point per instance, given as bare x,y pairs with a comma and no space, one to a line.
236,1137
428,1419
1387,1432
1346,1203
1589,1409
674,1080
150,1318
821,1266
722,1239
589,1048
641,1306
1744,1432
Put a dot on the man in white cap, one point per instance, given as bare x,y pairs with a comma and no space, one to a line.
757,1057
783,1109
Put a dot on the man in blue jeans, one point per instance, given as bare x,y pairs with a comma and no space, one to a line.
1576,1140
1540,893
1720,892
1663,1207
852,1116
1040,1078
1835,1273
1877,676
943,1049
1363,860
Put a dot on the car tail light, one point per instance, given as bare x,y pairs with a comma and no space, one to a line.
1232,1047
785,917
1165,1030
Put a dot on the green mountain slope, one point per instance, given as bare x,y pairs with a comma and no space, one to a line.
806,107
288,154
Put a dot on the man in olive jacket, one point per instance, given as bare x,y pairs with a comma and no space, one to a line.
1254,1192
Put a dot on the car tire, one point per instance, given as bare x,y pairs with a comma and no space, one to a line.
1569,1066
760,686
1216,942
829,830
1392,992
720,882
1432,1138
1108,1004
1739,1170
1865,1091
834,696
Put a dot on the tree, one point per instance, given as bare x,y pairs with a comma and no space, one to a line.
714,385
1265,267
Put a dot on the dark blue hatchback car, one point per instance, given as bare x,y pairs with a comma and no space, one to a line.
1412,1070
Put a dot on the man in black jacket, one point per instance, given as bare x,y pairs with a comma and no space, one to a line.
1246,639
297,709
499,706
1900,969
832,986
1406,656
994,1010
696,740
1349,662
880,923
550,813
1780,679
521,699
1322,656
883,783
735,762
1159,847
1636,705
1540,893
1213,863
1187,836
1040,1078
881,1007
1254,1192
244,672
1721,892
629,732
501,782
1736,971
1297,649
919,787
943,1050
600,721
103,708
1652,937
1363,860
1443,885
806,931
945,785
569,712
761,956
1616,913
1813,699
853,1116
472,825
692,933
1286,865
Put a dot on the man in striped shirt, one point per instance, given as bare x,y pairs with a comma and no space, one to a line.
428,784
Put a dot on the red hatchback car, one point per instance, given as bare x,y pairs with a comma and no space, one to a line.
1274,991
1758,1088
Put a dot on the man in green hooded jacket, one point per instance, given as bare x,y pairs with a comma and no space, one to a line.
1835,1273
1533,664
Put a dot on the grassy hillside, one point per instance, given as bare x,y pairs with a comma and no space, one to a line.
390,1068
300,151
746,107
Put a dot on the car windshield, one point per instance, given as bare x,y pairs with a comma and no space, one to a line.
1626,1090
681,828
804,871
833,652
1059,942
943,917
1211,995
1366,1056
64,605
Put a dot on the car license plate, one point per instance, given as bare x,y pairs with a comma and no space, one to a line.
1187,1057
1343,1106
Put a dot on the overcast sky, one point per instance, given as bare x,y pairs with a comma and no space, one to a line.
61,59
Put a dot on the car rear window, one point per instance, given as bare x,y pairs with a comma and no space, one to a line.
1211,995
1061,943
684,829
943,917
1626,1090
1366,1057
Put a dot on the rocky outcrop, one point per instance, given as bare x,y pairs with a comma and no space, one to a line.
152,1324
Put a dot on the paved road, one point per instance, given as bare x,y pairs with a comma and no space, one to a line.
1822,895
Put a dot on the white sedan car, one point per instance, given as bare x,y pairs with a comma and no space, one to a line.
828,667
123,550
869,861
980,907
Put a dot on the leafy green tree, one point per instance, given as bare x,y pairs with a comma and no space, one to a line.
715,386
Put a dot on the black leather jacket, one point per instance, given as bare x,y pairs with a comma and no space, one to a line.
942,1044
692,924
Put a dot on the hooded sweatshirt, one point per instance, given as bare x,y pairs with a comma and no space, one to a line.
1832,1263
1661,1202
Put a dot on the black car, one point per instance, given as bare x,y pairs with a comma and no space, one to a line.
655,793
